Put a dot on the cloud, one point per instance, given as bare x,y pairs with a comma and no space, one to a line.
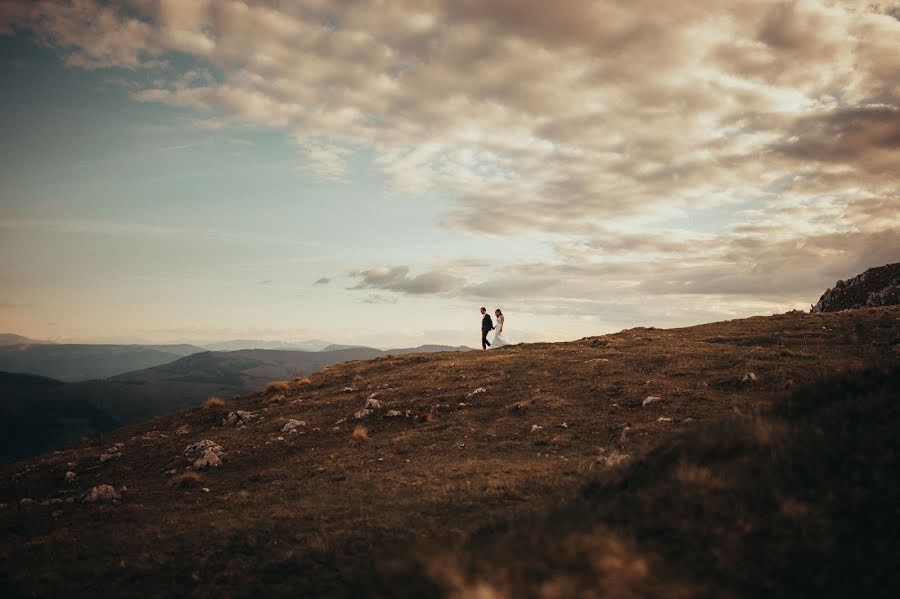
322,281
715,148
397,279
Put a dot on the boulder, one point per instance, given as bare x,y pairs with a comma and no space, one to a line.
101,493
373,404
292,424
207,460
238,418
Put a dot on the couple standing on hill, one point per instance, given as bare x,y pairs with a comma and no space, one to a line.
487,325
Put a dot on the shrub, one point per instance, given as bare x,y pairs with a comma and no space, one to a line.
213,402
278,387
359,434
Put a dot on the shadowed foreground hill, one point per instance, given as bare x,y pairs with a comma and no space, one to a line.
745,458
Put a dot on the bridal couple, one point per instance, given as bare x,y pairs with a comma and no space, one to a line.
487,325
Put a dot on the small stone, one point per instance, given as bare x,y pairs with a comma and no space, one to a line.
394,414
56,501
26,501
687,420
563,425
664,419
380,459
208,459
476,392
205,489
349,389
101,493
279,438
70,476
362,414
105,457
612,458
291,424
536,427
373,404
748,378
462,404
649,400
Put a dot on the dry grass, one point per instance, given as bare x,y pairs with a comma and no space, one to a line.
360,434
322,508
214,402
302,380
277,387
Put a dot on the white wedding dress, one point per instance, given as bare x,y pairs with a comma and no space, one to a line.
498,339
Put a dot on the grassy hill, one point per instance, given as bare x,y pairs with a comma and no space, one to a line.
81,362
753,457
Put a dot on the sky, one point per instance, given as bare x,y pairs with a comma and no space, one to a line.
375,171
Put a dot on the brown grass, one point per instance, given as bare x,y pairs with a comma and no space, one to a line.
278,387
214,402
302,380
360,434
321,509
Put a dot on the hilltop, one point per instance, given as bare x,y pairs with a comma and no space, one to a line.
742,458
875,287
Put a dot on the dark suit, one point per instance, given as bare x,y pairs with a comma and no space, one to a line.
486,325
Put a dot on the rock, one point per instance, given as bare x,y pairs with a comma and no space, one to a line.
238,418
196,449
875,287
748,378
373,404
349,390
105,457
563,425
664,419
612,458
70,476
182,430
687,420
536,427
101,493
291,424
476,392
362,413
70,500
56,501
394,414
205,489
649,400
207,460
26,502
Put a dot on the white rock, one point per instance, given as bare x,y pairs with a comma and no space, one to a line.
349,389
748,378
208,459
362,414
101,493
476,392
664,419
373,404
205,489
612,458
649,400
394,414
291,424
535,428
70,476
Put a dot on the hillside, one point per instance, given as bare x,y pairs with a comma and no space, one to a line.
11,339
81,362
706,461
875,287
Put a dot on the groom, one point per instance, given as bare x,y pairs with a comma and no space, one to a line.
486,326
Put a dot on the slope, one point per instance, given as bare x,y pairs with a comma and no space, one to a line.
515,439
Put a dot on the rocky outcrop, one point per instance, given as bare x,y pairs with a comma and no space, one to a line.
875,287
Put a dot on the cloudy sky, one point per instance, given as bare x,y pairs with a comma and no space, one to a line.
374,171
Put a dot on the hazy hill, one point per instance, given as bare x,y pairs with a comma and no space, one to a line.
80,362
722,460
236,344
10,339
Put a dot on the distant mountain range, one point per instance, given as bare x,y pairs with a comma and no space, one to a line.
236,344
10,339
38,414
81,362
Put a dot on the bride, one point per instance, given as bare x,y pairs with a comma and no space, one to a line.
498,340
